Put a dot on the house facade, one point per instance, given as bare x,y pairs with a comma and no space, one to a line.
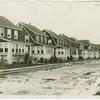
16,41
89,50
61,47
12,43
41,42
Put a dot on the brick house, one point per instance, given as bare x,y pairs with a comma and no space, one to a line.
61,48
12,43
89,50
41,46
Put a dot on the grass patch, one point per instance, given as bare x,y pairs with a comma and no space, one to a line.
10,66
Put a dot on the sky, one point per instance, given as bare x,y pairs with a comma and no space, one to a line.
74,19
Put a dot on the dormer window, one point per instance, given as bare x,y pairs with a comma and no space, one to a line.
1,32
49,41
15,34
26,38
8,33
37,37
41,39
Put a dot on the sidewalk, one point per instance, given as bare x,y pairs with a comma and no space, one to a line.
42,66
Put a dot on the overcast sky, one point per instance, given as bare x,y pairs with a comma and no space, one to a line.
77,19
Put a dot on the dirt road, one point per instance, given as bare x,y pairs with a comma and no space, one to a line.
74,80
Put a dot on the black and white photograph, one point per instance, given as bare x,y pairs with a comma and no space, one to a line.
50,48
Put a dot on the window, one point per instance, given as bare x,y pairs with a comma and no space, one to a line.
50,41
8,33
37,37
32,51
74,52
41,51
23,50
85,47
12,50
1,49
16,50
38,51
19,50
58,52
45,40
15,34
26,38
6,49
1,32
41,39
62,52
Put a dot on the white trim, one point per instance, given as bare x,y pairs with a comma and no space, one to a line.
67,42
5,39
31,36
33,31
51,36
20,42
28,33
10,27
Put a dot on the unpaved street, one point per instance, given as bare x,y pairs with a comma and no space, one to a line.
72,80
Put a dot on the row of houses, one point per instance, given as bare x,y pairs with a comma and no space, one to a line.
17,40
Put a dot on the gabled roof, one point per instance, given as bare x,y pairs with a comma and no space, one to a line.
66,37
52,33
75,41
68,40
34,29
60,37
6,23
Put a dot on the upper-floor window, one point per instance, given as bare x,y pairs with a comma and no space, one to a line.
50,41
26,38
15,34
45,39
8,33
41,39
59,52
85,47
1,32
37,38
42,52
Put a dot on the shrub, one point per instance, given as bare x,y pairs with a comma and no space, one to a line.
41,60
55,59
14,62
95,57
71,58
68,58
51,60
60,60
35,60
80,58
46,61
26,58
30,62
88,58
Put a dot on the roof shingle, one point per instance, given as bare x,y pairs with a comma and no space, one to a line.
6,23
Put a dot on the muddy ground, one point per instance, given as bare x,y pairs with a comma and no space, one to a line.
71,80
